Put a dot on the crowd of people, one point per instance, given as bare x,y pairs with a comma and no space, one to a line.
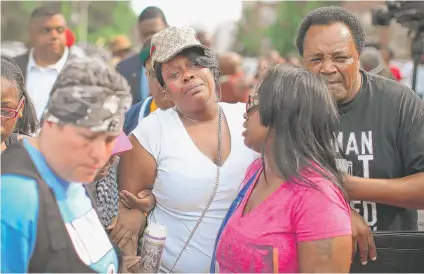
291,170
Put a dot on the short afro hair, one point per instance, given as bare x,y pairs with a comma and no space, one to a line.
327,16
152,12
48,10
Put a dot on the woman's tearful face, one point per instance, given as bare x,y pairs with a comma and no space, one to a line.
190,85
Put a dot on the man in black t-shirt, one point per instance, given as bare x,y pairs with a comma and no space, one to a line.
381,128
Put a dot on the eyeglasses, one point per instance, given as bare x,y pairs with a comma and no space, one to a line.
252,102
8,113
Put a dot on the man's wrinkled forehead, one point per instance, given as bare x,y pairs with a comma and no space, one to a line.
327,38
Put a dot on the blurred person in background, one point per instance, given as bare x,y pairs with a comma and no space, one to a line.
42,64
53,226
373,45
158,99
293,215
388,55
274,57
12,48
121,49
95,51
383,150
17,112
293,59
194,176
372,62
150,21
204,38
234,85
263,66
408,71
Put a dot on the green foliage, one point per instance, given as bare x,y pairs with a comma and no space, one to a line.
66,8
290,14
29,6
247,35
13,20
282,33
119,20
105,18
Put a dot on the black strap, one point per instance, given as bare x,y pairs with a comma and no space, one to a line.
52,236
51,232
15,160
90,189
13,138
50,226
54,251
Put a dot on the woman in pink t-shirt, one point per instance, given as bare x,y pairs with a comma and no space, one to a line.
294,216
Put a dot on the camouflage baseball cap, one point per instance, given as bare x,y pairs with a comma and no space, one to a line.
90,94
171,41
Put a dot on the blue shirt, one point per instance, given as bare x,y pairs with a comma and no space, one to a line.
137,112
19,215
144,85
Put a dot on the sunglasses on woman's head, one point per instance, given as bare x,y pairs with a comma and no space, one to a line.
8,113
252,102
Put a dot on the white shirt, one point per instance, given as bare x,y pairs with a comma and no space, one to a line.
184,183
77,51
39,81
407,74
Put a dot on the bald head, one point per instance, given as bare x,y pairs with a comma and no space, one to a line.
273,56
230,63
205,38
371,60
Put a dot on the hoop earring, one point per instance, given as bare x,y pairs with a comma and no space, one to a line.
220,93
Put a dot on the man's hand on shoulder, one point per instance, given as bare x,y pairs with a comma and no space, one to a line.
362,239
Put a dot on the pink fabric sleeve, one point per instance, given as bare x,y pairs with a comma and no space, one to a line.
321,213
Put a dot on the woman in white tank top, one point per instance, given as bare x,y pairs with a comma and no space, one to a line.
192,156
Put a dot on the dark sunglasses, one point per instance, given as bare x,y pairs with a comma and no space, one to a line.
8,113
252,102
